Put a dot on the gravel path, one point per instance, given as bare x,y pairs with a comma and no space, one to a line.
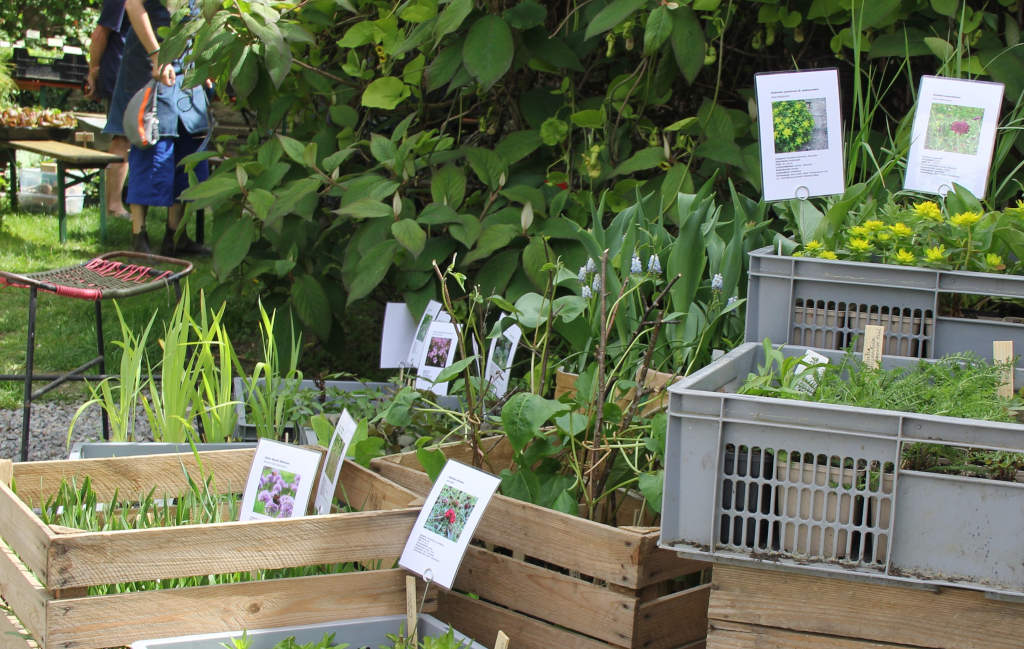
48,434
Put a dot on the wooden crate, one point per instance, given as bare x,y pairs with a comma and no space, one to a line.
564,581
754,608
45,571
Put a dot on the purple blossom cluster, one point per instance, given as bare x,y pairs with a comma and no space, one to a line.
437,353
277,494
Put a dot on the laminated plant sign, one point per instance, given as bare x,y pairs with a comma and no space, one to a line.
438,350
446,523
953,135
280,481
430,314
399,328
336,452
499,358
800,132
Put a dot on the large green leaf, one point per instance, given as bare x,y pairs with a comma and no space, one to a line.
535,255
410,235
372,268
525,15
245,74
232,246
517,145
493,237
641,160
615,13
448,186
311,305
488,50
687,42
451,18
523,415
366,208
277,54
385,92
487,165
657,30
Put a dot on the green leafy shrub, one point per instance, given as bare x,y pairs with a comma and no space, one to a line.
793,125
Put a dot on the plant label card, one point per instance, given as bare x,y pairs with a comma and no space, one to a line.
280,481
437,353
800,131
953,135
447,521
499,358
399,328
809,370
430,314
336,452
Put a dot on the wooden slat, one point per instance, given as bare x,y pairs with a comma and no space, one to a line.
951,618
482,621
23,531
12,634
495,448
93,558
616,555
543,593
366,490
673,620
66,152
134,476
660,564
725,635
23,592
115,620
6,471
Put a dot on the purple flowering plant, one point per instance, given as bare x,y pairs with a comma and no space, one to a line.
276,495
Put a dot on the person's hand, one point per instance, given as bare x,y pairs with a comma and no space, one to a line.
90,83
164,73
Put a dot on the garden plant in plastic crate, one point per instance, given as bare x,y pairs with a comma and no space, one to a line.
820,487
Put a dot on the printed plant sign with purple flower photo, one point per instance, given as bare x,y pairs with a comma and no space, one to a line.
954,129
276,495
448,515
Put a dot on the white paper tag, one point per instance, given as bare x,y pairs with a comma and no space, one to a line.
953,135
801,134
280,481
807,374
447,522
336,452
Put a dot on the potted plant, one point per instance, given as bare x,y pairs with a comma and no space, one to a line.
862,489
936,276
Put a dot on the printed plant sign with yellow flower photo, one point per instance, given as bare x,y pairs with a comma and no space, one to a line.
795,125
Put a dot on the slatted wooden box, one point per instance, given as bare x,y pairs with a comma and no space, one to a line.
562,581
757,608
45,571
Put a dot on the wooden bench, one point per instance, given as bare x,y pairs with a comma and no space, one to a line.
68,156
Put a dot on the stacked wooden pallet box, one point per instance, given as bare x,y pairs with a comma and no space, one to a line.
46,571
564,581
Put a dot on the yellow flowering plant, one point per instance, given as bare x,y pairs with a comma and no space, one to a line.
956,233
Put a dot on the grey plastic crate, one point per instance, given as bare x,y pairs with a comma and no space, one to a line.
363,633
818,487
826,304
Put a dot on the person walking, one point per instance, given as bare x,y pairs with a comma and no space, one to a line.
105,49
156,176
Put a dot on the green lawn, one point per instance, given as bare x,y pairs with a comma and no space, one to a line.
65,327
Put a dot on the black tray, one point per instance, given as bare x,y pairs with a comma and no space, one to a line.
60,133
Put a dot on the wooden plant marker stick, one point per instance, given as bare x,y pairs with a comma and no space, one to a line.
410,606
874,341
502,641
1002,352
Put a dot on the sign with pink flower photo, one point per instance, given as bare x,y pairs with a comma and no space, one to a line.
447,521
280,481
439,344
953,135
